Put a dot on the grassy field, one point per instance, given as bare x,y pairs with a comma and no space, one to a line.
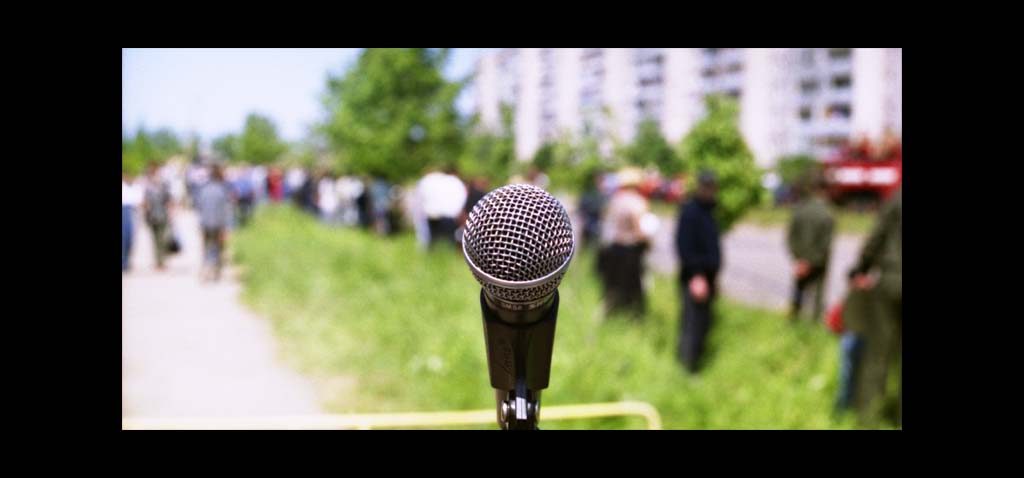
847,221
390,328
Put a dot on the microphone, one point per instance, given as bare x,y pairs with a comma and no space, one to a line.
518,242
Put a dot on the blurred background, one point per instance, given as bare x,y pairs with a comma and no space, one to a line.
291,226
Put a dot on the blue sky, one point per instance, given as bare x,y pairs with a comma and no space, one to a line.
210,91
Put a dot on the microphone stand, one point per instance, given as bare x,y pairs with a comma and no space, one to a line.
519,345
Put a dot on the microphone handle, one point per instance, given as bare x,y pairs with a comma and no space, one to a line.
519,359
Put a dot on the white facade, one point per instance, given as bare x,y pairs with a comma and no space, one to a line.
798,100
528,106
877,92
767,104
568,81
683,97
488,91
619,92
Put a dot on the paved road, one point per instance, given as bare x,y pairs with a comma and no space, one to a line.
191,350
757,267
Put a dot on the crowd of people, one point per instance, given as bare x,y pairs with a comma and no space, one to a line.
869,318
616,221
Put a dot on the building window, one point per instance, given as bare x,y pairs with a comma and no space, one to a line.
838,109
805,113
839,53
841,82
808,86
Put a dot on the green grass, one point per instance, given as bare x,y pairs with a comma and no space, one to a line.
847,221
406,325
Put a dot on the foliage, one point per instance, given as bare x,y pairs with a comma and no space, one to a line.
393,114
715,144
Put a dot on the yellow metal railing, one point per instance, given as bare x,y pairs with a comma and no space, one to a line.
392,420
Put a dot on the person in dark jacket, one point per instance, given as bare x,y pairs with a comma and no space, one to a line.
699,247
592,205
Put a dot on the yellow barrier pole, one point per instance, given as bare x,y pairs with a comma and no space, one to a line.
391,420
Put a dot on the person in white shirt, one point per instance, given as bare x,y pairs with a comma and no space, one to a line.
327,199
442,196
131,198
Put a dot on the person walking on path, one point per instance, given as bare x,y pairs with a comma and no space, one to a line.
213,203
156,206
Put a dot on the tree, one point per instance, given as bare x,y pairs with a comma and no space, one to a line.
488,153
131,161
259,142
165,144
544,157
226,147
574,161
715,144
793,169
649,149
394,113
145,148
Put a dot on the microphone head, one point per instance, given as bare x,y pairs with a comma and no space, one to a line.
518,242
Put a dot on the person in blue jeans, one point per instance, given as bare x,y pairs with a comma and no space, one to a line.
850,346
131,196
126,235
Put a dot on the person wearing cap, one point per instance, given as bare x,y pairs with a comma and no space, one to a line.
698,244
623,243
809,239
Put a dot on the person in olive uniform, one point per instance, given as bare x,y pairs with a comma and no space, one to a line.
809,239
874,313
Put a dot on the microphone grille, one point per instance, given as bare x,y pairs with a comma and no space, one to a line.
518,233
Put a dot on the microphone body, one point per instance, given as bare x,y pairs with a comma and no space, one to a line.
518,243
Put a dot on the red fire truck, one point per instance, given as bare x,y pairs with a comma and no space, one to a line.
859,178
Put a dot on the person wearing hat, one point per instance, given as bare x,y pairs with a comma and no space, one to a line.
623,243
809,239
698,244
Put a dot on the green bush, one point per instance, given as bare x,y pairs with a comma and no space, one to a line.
573,162
715,144
793,169
490,154
650,150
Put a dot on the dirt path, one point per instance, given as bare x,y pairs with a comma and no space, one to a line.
190,349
